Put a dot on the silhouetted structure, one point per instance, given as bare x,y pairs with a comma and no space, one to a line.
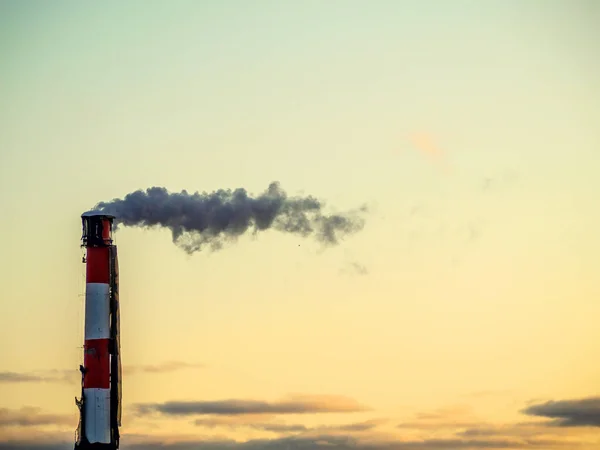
100,402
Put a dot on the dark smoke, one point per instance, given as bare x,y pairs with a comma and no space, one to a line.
196,220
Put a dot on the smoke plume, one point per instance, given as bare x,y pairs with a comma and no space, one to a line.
211,219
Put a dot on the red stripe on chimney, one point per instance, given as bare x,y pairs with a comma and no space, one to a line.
96,360
97,267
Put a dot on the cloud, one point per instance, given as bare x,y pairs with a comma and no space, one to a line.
425,143
30,417
522,430
361,426
442,419
46,376
438,425
356,436
279,427
13,444
344,443
458,424
14,377
292,405
444,413
283,428
235,421
314,443
72,376
569,413
342,437
451,418
166,367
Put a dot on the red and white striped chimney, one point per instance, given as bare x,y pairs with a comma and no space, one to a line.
96,361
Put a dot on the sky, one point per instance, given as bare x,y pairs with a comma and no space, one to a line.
462,316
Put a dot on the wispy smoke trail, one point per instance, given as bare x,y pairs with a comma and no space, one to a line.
197,220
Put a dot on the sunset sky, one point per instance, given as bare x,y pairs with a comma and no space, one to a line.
463,316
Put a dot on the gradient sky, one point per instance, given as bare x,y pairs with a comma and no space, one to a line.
470,128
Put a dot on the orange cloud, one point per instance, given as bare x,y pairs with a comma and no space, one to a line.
427,145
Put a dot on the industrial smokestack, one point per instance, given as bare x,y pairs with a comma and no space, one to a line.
197,220
101,394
